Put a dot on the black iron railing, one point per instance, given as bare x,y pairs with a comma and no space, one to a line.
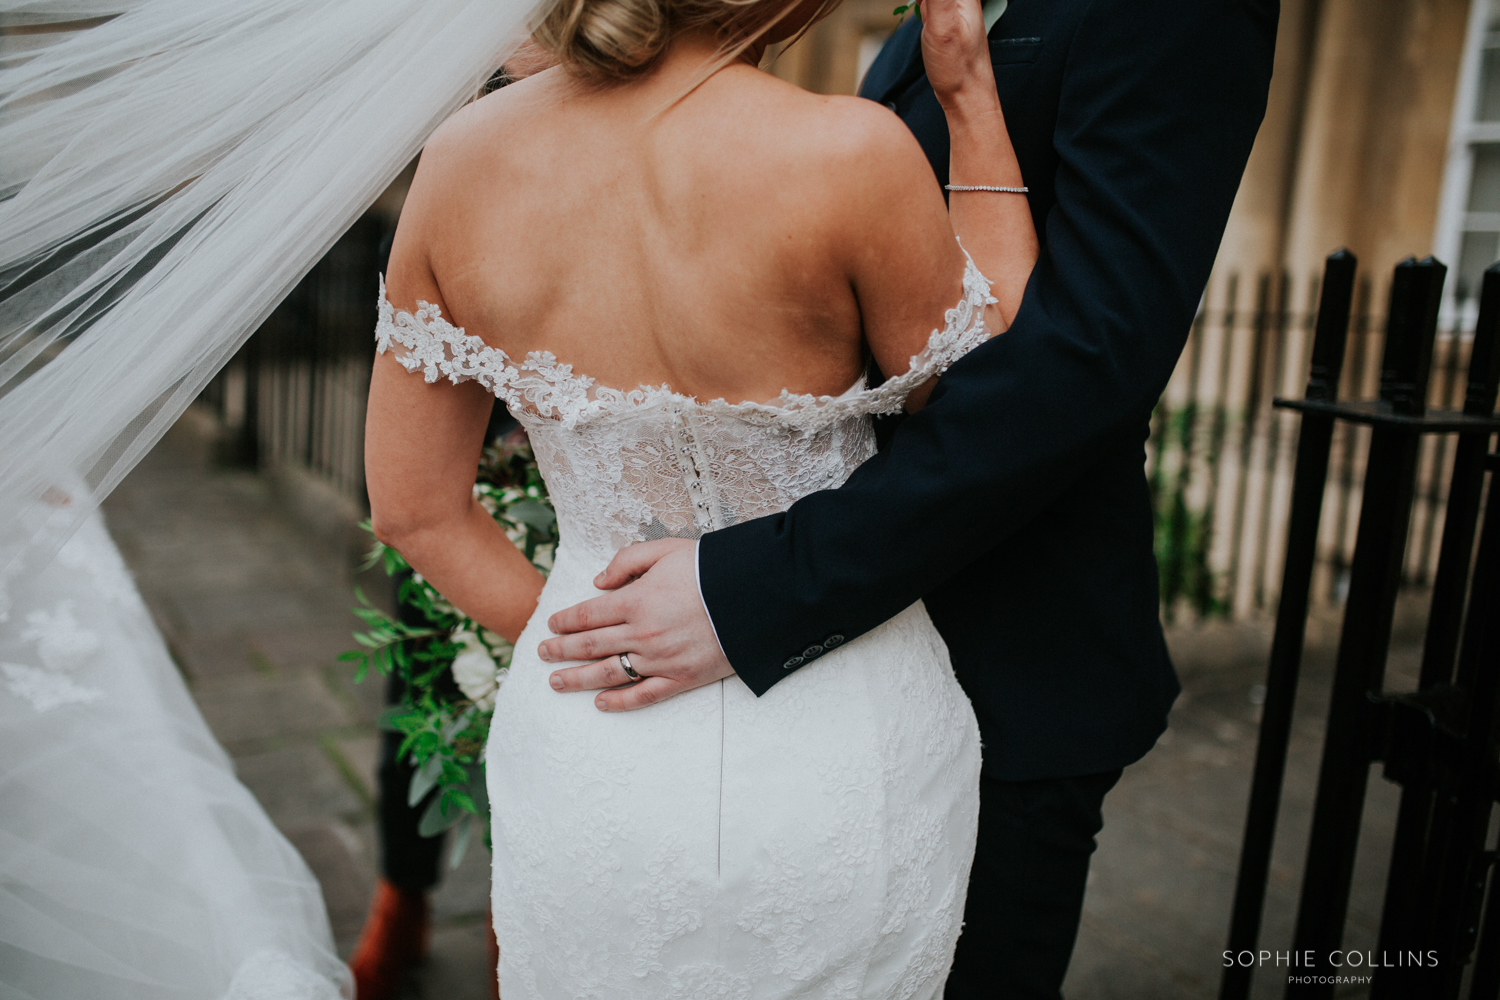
1221,457
1438,743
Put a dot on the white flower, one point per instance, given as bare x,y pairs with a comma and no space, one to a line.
475,671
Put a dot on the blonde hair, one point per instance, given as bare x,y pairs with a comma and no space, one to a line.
610,41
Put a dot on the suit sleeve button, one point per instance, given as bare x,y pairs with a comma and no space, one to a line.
795,661
812,651
832,641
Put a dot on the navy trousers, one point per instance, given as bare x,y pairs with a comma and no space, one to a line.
1026,887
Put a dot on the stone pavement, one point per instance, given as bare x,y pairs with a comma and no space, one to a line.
255,607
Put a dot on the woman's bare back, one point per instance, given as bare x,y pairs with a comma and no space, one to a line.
748,238
731,243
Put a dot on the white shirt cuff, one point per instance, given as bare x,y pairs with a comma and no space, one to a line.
698,576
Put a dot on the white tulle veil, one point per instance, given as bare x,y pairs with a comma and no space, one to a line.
168,174
169,169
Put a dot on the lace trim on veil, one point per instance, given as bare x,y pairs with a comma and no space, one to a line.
539,383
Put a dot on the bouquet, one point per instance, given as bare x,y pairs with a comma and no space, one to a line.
451,665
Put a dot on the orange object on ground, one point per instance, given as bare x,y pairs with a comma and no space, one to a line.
494,952
397,932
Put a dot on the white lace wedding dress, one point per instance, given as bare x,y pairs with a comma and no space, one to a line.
814,842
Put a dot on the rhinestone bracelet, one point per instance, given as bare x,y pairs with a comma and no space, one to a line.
985,187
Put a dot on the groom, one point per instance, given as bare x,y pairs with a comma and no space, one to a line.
1015,503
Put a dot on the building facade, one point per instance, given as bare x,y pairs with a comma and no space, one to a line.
1382,132
1381,135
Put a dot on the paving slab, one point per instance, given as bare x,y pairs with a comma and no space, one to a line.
299,785
247,709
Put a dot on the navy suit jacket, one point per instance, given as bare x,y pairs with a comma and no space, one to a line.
1015,503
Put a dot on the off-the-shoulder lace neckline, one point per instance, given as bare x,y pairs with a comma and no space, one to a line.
552,389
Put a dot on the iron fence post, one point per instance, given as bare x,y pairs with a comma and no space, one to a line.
1313,446
1466,863
1380,545
1410,906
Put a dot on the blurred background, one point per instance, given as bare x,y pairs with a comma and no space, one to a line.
1382,135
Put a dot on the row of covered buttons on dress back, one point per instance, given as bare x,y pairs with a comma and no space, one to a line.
812,652
685,444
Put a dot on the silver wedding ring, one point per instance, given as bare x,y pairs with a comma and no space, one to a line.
629,670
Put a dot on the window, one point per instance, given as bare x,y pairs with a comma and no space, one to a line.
1468,232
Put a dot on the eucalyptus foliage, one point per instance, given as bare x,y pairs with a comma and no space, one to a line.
444,728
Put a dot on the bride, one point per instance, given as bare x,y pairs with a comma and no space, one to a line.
655,212
675,270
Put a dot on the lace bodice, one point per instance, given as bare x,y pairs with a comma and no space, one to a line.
627,466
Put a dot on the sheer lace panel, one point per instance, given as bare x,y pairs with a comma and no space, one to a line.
629,465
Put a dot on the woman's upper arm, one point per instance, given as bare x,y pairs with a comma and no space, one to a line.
422,439
905,264
422,446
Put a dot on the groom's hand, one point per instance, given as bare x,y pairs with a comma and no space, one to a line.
655,615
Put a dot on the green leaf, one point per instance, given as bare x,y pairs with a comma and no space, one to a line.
453,774
479,790
423,780
376,553
436,820
461,840
387,719
532,513
460,799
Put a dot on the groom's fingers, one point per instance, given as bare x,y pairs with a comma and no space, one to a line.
597,643
634,560
648,691
605,673
597,612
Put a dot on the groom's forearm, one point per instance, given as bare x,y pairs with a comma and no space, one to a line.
1155,122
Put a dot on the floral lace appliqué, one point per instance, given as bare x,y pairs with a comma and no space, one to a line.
424,341
46,689
664,464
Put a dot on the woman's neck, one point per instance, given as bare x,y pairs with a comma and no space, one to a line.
692,53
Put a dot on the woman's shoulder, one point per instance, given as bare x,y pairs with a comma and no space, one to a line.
835,125
851,146
478,127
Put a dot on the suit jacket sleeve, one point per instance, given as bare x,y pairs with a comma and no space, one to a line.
1159,104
